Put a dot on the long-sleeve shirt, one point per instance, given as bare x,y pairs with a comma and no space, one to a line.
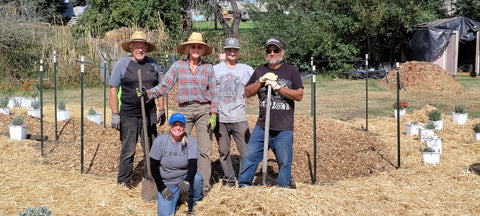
196,86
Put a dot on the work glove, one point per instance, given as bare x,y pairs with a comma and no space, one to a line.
161,117
275,86
143,93
167,194
212,122
115,121
268,76
183,187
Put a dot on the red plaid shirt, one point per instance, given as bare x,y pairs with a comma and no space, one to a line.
192,87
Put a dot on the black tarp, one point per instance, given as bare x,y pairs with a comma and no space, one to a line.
431,37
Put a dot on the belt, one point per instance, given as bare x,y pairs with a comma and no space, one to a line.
193,102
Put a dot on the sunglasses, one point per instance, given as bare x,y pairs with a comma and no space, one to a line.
268,51
196,47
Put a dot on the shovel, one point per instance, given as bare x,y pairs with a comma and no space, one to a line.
149,189
267,135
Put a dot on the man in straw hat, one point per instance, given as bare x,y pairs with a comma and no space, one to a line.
195,97
232,78
128,118
287,87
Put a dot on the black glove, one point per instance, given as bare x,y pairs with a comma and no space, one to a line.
183,187
115,121
167,194
161,118
143,93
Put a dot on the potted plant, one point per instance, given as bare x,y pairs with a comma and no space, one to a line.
426,132
402,106
62,112
411,128
476,132
29,93
4,106
435,117
434,142
459,116
17,130
430,156
94,116
35,110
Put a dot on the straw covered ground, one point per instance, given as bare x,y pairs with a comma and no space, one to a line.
356,171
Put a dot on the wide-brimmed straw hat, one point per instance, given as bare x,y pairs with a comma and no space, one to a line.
138,36
195,38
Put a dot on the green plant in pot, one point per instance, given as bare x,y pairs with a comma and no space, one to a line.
91,111
427,149
476,128
36,104
3,102
61,105
430,126
459,109
434,115
17,120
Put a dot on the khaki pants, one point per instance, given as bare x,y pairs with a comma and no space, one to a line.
197,115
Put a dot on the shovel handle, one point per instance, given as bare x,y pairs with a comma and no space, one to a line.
144,122
267,135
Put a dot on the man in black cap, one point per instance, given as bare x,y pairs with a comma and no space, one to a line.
287,87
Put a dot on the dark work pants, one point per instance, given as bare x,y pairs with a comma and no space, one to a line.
131,129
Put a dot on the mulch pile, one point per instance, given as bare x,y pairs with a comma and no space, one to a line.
423,77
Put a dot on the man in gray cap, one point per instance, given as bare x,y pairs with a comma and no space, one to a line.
287,88
231,78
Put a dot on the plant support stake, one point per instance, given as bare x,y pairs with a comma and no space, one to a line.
82,70
41,105
314,79
55,90
398,118
366,93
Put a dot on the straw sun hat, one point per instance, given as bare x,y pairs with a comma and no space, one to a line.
195,38
138,36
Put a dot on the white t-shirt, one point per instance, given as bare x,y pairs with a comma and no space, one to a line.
230,90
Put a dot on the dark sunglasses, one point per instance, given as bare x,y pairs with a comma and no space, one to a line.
196,47
268,51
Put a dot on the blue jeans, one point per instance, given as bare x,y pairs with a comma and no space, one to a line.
281,143
168,207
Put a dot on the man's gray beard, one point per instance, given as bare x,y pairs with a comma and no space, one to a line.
278,61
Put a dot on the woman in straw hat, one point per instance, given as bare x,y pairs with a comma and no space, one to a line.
128,119
195,97
174,167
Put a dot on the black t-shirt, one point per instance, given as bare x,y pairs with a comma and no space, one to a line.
127,69
282,109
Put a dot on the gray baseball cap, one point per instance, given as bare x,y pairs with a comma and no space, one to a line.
274,41
231,43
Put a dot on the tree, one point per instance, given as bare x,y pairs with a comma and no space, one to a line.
34,11
468,8
105,15
232,30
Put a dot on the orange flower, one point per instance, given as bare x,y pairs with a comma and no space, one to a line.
21,88
30,88
25,84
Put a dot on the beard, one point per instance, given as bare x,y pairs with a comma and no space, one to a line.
278,61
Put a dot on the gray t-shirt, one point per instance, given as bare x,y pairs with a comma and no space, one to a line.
230,91
173,157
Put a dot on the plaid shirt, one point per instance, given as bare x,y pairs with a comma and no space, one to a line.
192,87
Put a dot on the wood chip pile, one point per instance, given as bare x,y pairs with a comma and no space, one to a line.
423,77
